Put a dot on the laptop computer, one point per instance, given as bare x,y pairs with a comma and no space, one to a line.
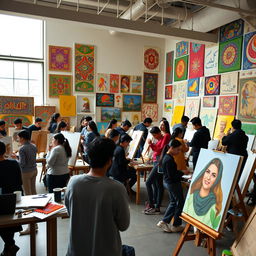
7,204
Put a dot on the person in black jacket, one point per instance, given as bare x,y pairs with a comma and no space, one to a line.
119,169
124,127
236,142
10,181
200,139
172,182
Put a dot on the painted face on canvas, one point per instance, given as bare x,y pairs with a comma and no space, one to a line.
210,176
223,125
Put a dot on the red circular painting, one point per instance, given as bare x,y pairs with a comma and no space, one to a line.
151,59
229,56
180,68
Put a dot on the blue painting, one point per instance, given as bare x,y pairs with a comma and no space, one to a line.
102,127
232,30
193,87
132,103
181,49
108,114
249,53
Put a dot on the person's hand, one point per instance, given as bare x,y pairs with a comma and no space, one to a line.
50,147
150,141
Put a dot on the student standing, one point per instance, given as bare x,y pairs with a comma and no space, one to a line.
36,126
3,132
10,181
172,182
97,206
112,125
183,125
57,162
55,119
200,139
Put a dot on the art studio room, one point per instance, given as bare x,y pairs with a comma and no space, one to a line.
127,127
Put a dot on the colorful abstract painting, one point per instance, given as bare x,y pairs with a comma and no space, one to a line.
229,83
196,60
45,113
67,105
105,100
247,100
181,49
208,118
169,67
192,107
84,68
168,106
131,102
60,85
118,100
181,69
249,53
212,85
151,59
136,84
150,83
114,83
222,126
125,83
179,93
211,60
108,114
209,102
102,127
59,58
177,114
230,55
227,105
9,119
85,103
232,30
193,87
168,92
150,110
16,105
102,83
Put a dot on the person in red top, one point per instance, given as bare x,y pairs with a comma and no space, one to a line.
154,181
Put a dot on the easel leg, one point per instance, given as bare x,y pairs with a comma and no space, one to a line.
138,187
181,240
211,246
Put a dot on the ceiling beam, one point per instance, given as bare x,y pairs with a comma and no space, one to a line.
130,26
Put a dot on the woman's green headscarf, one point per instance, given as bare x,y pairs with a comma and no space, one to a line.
203,204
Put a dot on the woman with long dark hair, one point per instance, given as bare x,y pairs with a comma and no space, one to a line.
57,162
62,126
55,119
112,125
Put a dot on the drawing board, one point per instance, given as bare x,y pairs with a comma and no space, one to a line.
136,138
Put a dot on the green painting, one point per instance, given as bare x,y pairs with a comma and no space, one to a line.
249,128
181,69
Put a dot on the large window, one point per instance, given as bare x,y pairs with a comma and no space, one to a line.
21,57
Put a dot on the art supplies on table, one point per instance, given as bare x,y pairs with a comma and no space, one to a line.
49,210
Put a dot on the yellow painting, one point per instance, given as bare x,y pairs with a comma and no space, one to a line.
177,114
222,127
67,105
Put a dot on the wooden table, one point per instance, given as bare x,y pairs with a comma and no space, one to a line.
51,229
140,168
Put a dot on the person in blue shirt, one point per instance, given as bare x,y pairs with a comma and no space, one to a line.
36,126
85,123
182,125
55,119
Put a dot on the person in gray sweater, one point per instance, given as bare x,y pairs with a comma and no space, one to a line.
97,206
57,163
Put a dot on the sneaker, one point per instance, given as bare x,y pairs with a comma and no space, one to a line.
164,226
152,211
177,229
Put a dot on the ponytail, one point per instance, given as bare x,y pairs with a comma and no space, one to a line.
67,148
163,153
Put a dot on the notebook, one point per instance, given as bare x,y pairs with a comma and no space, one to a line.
7,204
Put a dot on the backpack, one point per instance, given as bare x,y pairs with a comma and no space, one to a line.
128,250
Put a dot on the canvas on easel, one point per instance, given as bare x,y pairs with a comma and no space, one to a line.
147,151
134,144
39,138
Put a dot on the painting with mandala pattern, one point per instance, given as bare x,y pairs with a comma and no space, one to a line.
181,69
193,87
44,112
232,30
249,53
151,59
59,58
149,110
212,85
230,55
59,85
181,49
84,68
227,105
196,60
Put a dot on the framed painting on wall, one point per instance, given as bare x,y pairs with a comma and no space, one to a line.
114,83
135,118
131,102
209,102
192,107
45,113
59,85
85,104
102,83
150,110
151,59
231,30
227,105
9,119
168,106
67,105
181,69
247,100
150,83
208,118
84,68
212,85
59,58
179,93
249,128
105,100
193,87
168,92
181,49
169,67
196,60
230,55
125,83
107,114
249,52
229,83
211,60
102,127
177,114
118,100
136,84
222,126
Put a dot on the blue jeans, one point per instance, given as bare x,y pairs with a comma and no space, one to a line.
176,204
155,187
